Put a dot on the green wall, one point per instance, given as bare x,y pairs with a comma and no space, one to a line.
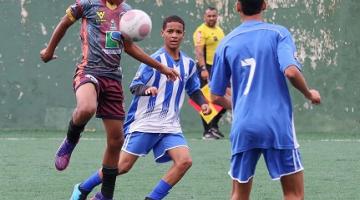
34,95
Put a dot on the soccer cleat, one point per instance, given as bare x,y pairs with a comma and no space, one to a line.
216,132
209,136
77,194
63,154
148,198
99,196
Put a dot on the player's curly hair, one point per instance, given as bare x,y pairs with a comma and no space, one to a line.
173,18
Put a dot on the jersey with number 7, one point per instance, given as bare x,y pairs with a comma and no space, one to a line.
253,57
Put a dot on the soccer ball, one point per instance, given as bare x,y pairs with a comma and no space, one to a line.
135,24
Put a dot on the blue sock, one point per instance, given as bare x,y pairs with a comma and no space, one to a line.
160,191
93,181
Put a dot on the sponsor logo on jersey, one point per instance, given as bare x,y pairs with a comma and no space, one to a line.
110,43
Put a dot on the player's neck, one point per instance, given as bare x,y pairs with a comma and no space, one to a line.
115,2
257,17
174,53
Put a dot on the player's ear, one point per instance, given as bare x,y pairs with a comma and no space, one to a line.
238,6
162,33
263,7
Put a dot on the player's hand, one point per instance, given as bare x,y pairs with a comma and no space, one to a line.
314,97
204,75
170,73
47,56
205,109
151,91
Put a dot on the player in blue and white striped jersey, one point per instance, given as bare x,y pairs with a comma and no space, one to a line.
258,58
153,119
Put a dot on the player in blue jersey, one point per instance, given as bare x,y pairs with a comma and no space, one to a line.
257,58
153,121
97,81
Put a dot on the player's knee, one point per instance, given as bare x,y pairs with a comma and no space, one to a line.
235,196
87,110
115,142
124,167
184,164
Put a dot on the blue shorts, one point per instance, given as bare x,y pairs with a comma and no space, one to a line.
140,144
279,162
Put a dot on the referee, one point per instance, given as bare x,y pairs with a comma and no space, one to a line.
206,38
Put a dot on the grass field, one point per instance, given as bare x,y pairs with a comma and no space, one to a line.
331,161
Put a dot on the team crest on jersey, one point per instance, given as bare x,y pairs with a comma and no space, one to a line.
215,39
100,16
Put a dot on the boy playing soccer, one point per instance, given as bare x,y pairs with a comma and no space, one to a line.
97,80
153,121
257,58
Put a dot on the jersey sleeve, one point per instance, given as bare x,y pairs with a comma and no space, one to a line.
143,75
199,37
78,9
221,72
193,83
286,51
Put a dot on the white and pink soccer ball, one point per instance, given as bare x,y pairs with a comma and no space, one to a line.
135,24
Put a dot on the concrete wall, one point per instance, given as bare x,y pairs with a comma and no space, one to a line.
34,95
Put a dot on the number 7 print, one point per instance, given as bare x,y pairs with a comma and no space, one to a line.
252,64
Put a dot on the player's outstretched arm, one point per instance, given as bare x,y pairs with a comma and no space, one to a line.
298,81
47,53
136,52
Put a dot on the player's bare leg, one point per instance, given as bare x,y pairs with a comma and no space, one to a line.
86,103
181,163
115,139
241,191
126,162
293,186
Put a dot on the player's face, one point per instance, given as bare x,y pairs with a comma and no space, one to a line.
210,17
173,34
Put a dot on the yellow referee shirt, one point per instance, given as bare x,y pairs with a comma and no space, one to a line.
209,38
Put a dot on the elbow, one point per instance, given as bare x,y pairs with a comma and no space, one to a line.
292,72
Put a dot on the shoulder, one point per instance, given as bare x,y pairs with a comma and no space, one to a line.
159,55
279,29
88,4
219,29
201,28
